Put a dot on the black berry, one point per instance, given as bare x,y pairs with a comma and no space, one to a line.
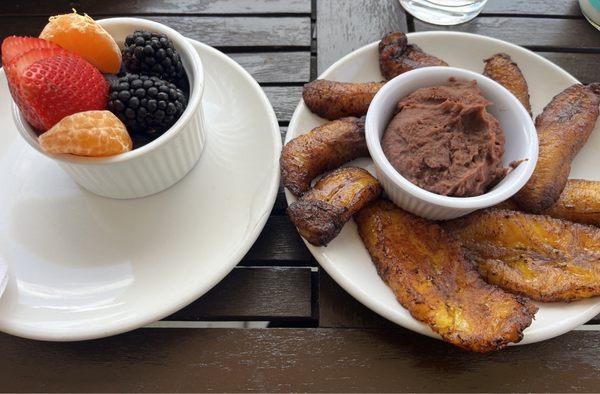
155,55
146,105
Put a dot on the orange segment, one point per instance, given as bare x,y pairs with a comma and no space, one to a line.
89,133
82,35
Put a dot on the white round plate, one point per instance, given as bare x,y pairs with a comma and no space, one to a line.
347,260
83,266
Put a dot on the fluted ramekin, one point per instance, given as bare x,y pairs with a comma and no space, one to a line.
519,131
153,167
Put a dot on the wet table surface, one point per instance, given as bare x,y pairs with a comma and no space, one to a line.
278,322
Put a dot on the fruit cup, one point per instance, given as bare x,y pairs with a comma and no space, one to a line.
159,164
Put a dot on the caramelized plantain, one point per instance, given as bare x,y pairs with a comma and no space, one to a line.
537,256
579,202
563,128
397,56
321,149
321,212
334,100
507,73
431,277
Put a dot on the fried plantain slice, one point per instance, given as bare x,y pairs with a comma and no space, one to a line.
334,100
321,149
579,203
502,69
397,56
537,256
432,278
321,212
563,128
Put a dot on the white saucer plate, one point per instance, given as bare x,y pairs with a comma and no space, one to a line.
83,266
346,260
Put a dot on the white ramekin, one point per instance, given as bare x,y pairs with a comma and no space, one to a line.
157,165
519,130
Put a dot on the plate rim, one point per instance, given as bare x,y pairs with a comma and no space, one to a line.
133,322
359,294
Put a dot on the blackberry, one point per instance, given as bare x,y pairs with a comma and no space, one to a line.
146,105
155,55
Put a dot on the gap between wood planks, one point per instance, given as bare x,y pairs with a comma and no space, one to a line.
263,324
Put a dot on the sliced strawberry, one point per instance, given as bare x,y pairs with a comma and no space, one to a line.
14,72
20,63
14,46
58,86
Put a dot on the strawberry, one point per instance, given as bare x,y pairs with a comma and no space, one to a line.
20,63
49,89
17,67
14,46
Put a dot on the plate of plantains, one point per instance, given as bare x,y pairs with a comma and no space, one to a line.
517,273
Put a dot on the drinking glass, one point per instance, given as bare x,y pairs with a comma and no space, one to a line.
443,12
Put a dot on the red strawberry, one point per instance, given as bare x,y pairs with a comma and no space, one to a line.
25,59
18,66
14,46
52,88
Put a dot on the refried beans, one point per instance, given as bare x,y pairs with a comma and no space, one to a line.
444,140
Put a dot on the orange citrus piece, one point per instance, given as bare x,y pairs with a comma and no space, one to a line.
89,133
82,35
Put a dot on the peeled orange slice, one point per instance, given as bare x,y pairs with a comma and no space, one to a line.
89,133
82,35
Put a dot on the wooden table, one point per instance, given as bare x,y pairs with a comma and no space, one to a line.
319,338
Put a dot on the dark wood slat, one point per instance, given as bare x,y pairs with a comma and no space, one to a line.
255,294
283,131
583,66
215,31
242,31
530,32
338,309
22,26
94,7
345,25
533,7
279,241
276,67
284,100
280,203
284,360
